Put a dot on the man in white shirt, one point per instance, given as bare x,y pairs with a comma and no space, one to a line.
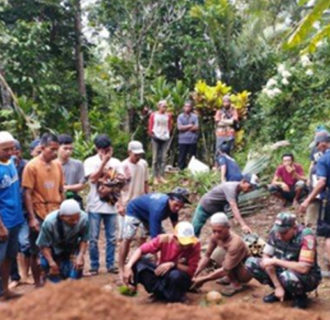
136,174
98,209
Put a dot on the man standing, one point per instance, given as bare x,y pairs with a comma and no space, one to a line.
188,134
22,263
99,209
225,120
147,212
289,263
43,183
63,242
289,180
322,187
170,278
320,146
218,197
73,169
233,255
11,216
136,175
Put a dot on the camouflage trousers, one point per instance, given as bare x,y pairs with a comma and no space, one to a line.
292,282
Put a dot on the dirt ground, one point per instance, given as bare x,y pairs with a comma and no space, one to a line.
98,298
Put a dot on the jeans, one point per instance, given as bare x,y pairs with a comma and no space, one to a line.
186,150
159,151
110,222
9,248
67,270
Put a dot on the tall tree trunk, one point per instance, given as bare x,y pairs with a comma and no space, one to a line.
83,105
5,100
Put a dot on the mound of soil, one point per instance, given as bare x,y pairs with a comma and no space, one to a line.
82,300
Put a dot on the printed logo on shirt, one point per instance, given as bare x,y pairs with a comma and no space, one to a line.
156,196
7,181
49,184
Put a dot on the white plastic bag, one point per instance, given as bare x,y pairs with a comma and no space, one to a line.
196,166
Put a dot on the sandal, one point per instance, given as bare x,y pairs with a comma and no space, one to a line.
229,291
91,273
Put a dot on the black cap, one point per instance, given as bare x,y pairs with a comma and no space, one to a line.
180,194
322,138
252,179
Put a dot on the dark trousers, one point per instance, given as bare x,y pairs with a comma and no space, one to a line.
14,274
171,287
186,151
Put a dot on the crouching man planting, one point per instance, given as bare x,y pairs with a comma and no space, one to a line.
63,242
170,278
230,253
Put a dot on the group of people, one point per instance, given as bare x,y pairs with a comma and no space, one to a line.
160,125
42,216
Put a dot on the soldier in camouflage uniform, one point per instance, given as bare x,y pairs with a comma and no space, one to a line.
289,264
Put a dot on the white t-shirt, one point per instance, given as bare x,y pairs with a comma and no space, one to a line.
161,126
136,175
94,203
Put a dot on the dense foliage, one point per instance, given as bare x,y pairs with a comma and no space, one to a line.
139,51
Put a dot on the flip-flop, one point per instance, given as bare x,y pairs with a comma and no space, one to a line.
229,291
11,296
91,273
223,281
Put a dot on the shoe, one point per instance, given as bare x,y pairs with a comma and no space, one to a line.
300,302
113,270
270,298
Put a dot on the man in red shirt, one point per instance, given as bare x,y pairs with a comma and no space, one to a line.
289,182
170,278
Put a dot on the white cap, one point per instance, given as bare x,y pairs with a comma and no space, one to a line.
69,207
136,147
184,231
5,136
220,218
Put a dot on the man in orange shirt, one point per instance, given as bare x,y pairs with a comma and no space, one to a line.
43,182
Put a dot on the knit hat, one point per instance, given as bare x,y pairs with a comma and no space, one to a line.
5,136
69,207
219,218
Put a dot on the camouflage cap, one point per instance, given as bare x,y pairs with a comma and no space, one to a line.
284,221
